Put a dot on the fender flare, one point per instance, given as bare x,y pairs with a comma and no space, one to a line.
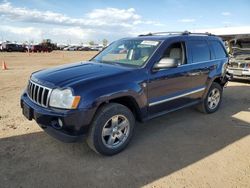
209,83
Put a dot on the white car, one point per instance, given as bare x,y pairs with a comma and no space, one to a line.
239,66
96,48
70,48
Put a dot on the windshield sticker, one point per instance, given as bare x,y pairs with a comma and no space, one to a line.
150,42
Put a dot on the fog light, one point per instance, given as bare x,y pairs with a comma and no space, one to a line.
60,123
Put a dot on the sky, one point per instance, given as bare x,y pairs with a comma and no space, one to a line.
81,21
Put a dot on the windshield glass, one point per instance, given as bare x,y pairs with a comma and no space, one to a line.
128,52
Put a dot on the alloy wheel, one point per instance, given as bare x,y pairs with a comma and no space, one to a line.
115,131
213,98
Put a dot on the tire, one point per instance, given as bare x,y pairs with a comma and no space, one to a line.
107,137
212,101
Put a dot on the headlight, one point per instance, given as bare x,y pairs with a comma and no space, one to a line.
63,99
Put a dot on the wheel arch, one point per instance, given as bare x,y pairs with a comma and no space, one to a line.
220,81
217,79
126,100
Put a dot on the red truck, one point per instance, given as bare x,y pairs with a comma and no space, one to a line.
40,48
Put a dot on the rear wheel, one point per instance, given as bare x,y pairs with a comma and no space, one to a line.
111,130
212,101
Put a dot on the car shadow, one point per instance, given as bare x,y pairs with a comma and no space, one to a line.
246,81
160,147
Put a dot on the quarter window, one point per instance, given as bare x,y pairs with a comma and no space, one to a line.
218,49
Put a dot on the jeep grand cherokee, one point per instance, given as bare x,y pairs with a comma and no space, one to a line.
132,79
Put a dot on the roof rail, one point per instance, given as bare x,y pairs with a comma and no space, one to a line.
206,33
176,32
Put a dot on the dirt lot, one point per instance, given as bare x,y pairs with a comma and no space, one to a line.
181,149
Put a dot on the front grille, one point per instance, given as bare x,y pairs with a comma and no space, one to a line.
38,94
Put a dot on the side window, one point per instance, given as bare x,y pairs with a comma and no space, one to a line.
218,49
200,51
176,51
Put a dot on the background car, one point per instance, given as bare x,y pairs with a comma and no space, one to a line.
239,66
40,48
9,47
96,48
85,48
70,48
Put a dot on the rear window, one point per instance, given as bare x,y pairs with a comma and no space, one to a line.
200,51
218,49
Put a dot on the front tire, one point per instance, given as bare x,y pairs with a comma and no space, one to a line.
212,101
111,129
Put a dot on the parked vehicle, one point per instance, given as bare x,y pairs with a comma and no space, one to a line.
40,48
96,48
66,48
84,48
61,47
70,48
152,75
28,48
9,47
239,66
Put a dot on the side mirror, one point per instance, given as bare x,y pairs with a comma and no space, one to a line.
166,63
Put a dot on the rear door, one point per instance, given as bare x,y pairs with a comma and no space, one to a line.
200,61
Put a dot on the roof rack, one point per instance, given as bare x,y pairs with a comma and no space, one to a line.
176,32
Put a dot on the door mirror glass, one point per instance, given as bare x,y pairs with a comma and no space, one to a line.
166,63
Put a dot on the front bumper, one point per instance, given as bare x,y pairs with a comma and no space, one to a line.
75,122
239,73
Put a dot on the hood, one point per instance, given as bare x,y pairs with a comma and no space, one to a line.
241,53
66,75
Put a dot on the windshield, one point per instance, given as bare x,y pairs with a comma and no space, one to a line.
128,52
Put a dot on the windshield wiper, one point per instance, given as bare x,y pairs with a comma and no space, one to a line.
108,62
115,63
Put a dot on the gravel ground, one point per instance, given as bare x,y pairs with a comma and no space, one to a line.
181,149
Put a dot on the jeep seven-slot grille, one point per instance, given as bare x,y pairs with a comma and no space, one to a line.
38,93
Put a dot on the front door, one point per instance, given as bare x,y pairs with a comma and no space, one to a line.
172,88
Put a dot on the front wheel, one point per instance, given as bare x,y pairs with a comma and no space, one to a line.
212,101
111,130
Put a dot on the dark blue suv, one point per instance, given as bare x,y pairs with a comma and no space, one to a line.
132,79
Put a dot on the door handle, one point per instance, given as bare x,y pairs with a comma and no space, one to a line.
194,73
